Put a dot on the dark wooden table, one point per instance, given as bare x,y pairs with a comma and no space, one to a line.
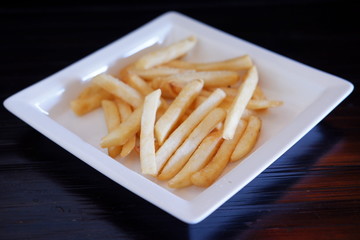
311,192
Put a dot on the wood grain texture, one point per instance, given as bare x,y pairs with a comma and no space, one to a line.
311,192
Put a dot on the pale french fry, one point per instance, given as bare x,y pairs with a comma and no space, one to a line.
186,149
240,102
248,139
112,120
166,123
198,160
147,145
89,99
212,79
207,175
166,54
185,128
255,104
122,133
119,89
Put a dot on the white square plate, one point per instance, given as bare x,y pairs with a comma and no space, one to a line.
309,95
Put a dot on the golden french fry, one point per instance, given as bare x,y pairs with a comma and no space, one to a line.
166,54
183,153
124,109
123,73
207,175
230,92
225,104
198,160
258,94
119,89
139,84
152,73
122,133
185,128
147,145
235,64
111,114
168,90
238,106
128,146
89,90
253,104
166,123
212,79
89,99
112,120
248,139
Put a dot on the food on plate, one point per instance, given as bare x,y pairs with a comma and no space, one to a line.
186,120
147,143
166,54
166,123
240,102
112,120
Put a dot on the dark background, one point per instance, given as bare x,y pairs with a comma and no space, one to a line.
311,192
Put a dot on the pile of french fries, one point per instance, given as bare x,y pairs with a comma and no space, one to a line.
186,120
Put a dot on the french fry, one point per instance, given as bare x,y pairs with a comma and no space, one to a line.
119,89
212,79
128,147
166,54
230,92
258,94
207,175
255,104
89,91
240,102
89,99
168,89
185,128
198,160
147,145
139,84
166,123
235,64
183,153
248,139
125,111
112,120
156,72
122,133
123,73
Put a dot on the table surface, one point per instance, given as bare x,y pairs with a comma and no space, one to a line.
311,192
